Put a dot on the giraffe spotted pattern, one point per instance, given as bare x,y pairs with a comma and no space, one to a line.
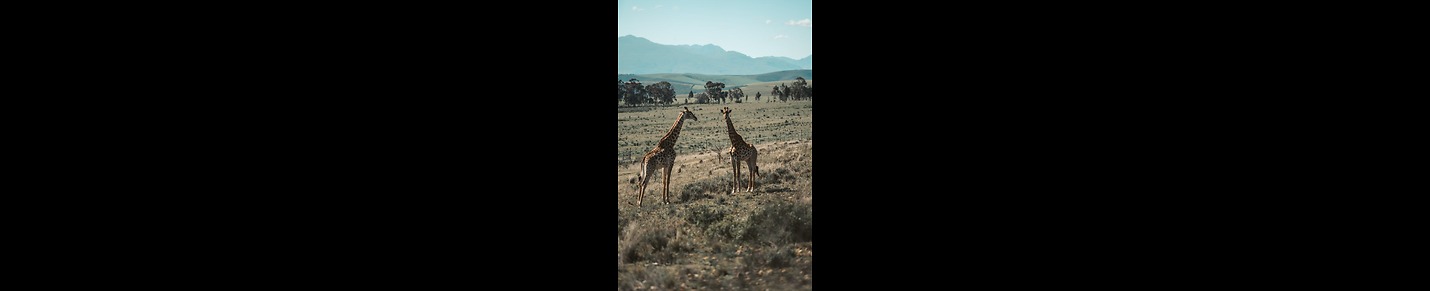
740,151
662,157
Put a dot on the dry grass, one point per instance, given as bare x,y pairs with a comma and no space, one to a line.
640,128
709,238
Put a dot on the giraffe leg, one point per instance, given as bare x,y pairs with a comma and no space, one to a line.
645,179
666,193
640,192
754,172
735,178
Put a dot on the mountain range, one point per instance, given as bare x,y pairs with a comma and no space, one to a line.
636,55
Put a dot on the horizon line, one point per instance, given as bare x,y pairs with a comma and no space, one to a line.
717,74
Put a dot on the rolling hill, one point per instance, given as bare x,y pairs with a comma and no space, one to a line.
636,55
684,83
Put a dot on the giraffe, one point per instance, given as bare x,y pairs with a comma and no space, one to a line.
740,151
663,157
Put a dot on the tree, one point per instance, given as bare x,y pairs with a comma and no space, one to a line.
633,93
784,92
800,91
661,92
737,93
713,89
757,96
692,95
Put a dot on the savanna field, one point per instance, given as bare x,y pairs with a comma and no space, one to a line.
708,238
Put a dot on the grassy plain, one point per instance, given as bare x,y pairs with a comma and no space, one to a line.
708,237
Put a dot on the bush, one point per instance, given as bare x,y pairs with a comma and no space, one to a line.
780,257
776,177
780,222
642,278
703,189
643,243
703,215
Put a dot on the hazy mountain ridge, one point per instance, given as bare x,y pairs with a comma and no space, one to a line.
636,55
804,63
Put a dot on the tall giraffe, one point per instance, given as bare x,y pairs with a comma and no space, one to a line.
663,157
740,151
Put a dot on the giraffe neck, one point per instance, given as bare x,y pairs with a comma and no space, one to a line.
730,128
669,140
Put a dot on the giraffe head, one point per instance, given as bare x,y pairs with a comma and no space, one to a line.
725,112
687,114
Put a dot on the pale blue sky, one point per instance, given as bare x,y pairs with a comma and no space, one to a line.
755,28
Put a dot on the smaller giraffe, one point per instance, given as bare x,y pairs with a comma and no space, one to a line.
663,157
740,151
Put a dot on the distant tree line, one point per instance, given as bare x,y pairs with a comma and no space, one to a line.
633,93
801,90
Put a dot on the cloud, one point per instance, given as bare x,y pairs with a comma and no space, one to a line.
767,21
802,22
637,8
658,6
781,36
